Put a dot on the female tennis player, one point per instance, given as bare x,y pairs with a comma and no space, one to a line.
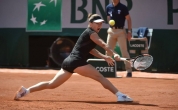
76,62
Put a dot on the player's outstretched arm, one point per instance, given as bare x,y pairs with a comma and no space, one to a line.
98,54
95,38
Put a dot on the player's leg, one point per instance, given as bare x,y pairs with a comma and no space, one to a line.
59,79
122,40
91,72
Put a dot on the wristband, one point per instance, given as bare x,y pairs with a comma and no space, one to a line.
115,55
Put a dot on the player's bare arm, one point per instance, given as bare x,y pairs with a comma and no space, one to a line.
95,38
98,54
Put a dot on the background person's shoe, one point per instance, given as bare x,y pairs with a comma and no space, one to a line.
20,93
124,98
129,74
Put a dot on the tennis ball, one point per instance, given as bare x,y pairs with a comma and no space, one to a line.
112,22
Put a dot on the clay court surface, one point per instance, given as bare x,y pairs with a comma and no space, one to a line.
150,91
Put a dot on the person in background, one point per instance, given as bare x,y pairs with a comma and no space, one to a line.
117,34
76,62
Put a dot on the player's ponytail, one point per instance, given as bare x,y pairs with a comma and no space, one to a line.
89,15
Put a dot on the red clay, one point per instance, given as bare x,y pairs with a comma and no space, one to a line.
151,92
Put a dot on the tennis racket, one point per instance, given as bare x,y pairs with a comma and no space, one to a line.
140,62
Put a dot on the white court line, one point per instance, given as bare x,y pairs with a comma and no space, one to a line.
136,74
29,71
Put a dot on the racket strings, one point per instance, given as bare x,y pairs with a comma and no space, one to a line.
142,63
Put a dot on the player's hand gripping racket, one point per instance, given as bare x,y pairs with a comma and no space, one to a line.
140,62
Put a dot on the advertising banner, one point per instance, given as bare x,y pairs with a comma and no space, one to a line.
102,66
44,15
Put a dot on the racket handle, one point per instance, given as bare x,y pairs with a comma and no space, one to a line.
123,59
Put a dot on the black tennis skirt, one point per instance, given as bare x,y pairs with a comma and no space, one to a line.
72,62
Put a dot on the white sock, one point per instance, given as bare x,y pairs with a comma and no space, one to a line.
28,91
118,93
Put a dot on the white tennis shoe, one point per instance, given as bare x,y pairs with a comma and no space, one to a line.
20,93
124,98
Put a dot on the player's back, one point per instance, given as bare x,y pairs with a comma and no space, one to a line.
84,44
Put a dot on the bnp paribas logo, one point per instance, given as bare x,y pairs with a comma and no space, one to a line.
44,15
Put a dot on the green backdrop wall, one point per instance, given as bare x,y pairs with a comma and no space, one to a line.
14,48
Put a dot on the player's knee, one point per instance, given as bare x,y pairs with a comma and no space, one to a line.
51,85
98,77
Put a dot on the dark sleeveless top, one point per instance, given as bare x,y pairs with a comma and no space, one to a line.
84,45
80,52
